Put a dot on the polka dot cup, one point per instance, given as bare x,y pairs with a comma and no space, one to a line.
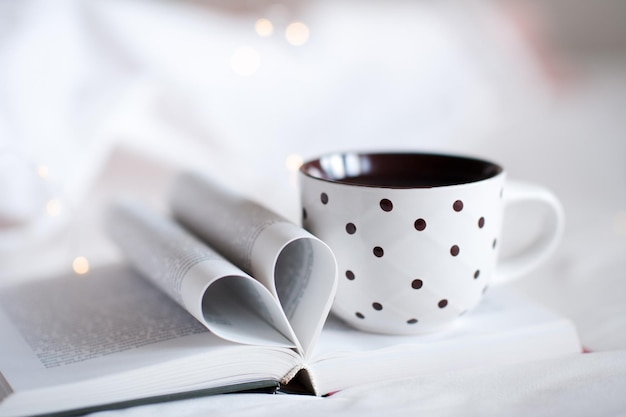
416,235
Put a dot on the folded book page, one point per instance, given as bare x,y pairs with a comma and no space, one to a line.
295,266
225,299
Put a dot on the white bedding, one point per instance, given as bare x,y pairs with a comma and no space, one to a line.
124,108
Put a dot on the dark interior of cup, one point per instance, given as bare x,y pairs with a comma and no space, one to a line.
400,170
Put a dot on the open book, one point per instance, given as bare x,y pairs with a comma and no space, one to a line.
184,320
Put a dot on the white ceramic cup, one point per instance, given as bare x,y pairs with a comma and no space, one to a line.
416,235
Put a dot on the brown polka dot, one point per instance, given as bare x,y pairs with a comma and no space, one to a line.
377,306
359,315
350,228
324,198
411,321
458,205
386,204
454,250
495,243
481,222
477,274
350,275
420,224
443,303
378,252
417,284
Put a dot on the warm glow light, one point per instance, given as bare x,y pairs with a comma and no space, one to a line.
80,265
293,162
42,171
264,27
245,61
297,33
53,207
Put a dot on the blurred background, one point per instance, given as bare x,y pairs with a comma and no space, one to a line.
100,99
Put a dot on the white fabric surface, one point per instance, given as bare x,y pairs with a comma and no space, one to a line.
155,77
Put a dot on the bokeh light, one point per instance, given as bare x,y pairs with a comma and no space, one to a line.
293,162
42,171
264,27
297,33
53,207
80,265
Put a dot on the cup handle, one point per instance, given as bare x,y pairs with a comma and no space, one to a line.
533,254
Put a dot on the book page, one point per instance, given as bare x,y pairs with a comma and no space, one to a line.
295,266
225,299
503,329
53,324
111,335
500,311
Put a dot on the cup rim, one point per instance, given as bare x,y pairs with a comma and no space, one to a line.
349,167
